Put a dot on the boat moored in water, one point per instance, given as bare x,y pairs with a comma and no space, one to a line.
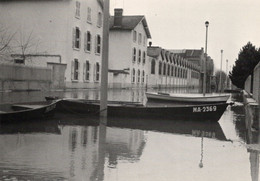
202,112
27,110
187,98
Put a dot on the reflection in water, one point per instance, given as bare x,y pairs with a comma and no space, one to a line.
253,145
78,148
243,124
62,149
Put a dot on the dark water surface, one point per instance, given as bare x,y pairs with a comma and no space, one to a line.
77,148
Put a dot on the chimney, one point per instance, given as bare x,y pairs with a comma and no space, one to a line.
118,17
150,43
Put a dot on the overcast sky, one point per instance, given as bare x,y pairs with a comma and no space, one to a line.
180,24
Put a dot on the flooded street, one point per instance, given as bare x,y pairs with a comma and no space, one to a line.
74,147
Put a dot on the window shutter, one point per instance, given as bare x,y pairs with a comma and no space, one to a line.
72,70
89,67
85,42
79,39
73,37
95,44
90,41
94,73
78,69
84,71
100,45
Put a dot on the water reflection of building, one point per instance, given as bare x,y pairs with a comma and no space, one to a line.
253,147
124,144
74,152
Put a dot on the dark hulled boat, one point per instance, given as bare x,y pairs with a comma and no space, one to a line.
201,112
26,111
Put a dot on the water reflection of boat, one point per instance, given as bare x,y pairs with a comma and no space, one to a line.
206,129
39,126
202,112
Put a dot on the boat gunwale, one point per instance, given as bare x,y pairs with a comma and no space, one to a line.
191,97
28,109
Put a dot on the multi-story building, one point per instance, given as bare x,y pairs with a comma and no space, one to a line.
128,50
198,57
168,69
70,29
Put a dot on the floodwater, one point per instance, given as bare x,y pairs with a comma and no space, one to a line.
77,148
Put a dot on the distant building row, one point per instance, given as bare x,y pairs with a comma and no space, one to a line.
69,41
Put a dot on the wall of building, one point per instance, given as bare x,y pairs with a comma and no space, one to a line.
248,84
45,21
173,61
121,45
17,77
82,55
120,50
256,83
50,25
142,46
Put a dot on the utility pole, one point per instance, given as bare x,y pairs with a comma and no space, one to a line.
104,73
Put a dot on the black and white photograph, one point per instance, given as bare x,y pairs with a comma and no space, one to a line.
129,90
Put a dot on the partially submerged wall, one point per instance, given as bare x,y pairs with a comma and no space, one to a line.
256,84
18,77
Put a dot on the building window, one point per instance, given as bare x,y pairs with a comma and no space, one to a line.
86,71
76,38
139,38
144,57
143,76
169,70
164,69
144,41
133,75
87,42
138,76
19,60
99,21
172,71
89,15
134,36
153,66
139,56
97,72
77,13
98,44
160,68
75,69
134,54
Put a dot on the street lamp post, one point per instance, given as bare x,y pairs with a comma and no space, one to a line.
205,74
227,73
220,73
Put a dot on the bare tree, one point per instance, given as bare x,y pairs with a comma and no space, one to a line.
5,40
26,44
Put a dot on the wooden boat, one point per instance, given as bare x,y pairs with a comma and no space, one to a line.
124,109
27,111
187,98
